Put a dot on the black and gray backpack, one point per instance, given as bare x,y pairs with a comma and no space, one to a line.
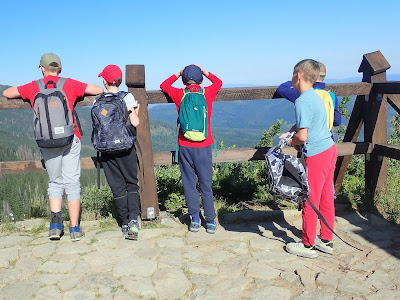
287,176
53,122
112,131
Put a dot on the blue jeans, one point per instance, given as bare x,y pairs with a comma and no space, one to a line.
196,164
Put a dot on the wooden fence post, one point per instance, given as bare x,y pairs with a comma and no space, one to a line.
374,66
135,80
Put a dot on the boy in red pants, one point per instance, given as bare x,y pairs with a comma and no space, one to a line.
320,156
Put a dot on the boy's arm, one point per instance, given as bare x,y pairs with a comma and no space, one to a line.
92,89
337,117
287,91
11,92
175,93
214,88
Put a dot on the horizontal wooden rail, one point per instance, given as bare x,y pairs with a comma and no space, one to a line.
261,93
390,87
166,158
390,151
226,94
19,103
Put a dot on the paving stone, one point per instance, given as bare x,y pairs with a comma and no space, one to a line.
366,265
218,257
8,276
28,266
308,295
7,255
102,283
390,263
272,256
380,280
261,270
231,288
170,258
139,287
236,247
171,283
56,267
47,293
170,242
68,283
329,278
12,240
233,268
150,253
271,293
307,278
73,248
137,266
385,294
44,250
48,279
378,255
79,294
19,290
266,244
199,268
290,276
348,285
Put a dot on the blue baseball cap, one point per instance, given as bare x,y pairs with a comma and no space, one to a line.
193,73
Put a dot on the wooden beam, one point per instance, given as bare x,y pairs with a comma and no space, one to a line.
226,94
394,101
135,80
392,87
374,66
351,135
19,103
261,93
387,150
166,158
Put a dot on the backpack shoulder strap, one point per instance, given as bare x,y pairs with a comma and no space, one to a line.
60,83
40,84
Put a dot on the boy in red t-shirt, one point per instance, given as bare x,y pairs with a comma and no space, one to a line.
63,163
195,160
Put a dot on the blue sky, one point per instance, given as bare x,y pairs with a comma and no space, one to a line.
242,42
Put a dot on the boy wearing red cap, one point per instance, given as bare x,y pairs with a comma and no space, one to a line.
63,164
195,160
121,168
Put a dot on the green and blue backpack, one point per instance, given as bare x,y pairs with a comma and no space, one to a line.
193,117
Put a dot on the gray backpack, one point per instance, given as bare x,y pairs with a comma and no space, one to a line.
53,122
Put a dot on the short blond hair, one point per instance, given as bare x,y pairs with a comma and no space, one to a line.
309,68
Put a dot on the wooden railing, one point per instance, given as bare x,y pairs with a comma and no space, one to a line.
373,94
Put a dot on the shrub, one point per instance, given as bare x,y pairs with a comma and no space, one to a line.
97,203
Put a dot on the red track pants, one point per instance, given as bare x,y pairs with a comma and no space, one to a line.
321,168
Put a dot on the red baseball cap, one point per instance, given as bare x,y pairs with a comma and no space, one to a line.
112,74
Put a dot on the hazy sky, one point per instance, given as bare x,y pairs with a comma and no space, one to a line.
242,42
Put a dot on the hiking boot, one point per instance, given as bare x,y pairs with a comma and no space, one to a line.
194,226
326,247
133,230
300,250
211,227
76,233
56,231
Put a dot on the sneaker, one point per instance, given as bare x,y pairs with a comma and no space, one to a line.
326,247
211,227
133,230
300,250
76,233
125,230
194,226
56,231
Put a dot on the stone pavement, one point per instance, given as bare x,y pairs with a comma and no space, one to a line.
245,259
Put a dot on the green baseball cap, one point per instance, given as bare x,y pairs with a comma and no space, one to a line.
50,61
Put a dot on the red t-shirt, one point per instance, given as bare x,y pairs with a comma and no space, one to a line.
72,89
176,95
